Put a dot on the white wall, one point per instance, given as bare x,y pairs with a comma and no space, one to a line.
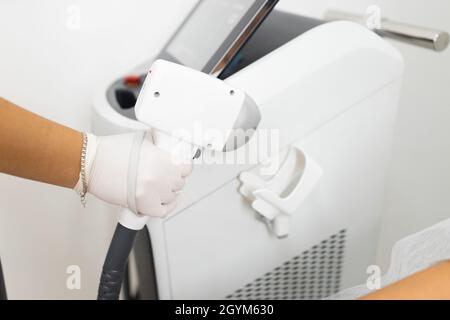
53,70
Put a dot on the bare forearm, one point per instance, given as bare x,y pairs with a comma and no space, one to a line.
432,283
35,148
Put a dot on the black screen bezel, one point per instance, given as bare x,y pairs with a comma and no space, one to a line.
228,43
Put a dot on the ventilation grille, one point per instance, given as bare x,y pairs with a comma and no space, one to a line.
314,274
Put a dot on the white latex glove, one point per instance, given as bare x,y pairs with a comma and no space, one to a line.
159,177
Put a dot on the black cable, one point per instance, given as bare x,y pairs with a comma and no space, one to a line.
3,295
126,287
115,263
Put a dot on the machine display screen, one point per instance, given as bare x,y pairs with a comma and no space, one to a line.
212,29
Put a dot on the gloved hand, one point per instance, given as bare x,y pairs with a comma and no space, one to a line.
159,177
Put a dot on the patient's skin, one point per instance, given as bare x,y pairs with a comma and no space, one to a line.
35,148
430,284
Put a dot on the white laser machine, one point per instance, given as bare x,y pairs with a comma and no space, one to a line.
175,102
305,224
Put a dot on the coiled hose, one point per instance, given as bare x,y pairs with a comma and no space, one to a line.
115,263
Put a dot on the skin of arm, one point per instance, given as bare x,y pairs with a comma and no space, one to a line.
430,284
35,148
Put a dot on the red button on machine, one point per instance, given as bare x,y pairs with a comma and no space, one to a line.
132,81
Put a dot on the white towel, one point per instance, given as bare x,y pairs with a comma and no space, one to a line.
409,255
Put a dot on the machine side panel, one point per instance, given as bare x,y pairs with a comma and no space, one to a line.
299,90
214,249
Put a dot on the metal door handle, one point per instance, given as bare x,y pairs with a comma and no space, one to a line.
436,40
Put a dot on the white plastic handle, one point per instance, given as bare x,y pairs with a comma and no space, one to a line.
307,181
278,198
